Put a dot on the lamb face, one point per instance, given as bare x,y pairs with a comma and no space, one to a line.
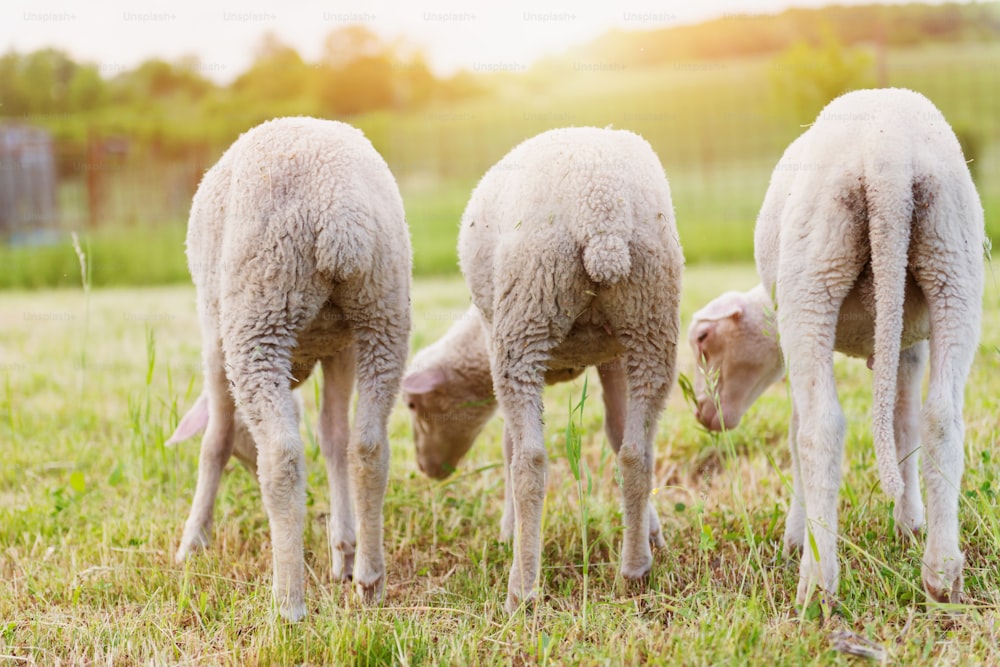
737,356
449,391
446,418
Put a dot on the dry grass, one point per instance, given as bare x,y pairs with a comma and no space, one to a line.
92,505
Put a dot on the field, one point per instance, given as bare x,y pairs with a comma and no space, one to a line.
92,505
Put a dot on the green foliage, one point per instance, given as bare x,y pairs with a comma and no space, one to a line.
359,72
160,102
704,96
47,81
810,76
144,255
751,34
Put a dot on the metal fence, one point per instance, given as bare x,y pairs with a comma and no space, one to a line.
27,181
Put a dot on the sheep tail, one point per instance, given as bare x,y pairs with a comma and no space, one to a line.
343,244
606,228
890,212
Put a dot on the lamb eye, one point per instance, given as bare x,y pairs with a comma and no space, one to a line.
411,405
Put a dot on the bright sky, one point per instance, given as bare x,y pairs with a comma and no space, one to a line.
118,34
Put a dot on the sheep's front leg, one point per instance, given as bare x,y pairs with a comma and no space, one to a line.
795,523
614,384
507,519
368,457
216,448
334,436
909,511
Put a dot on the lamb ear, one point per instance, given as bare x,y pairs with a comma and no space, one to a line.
423,381
730,304
194,421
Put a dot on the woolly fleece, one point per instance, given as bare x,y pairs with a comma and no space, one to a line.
569,247
300,254
870,240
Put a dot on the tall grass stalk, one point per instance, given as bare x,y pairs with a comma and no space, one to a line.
85,276
578,467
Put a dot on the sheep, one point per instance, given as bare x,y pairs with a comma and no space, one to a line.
870,242
299,250
569,247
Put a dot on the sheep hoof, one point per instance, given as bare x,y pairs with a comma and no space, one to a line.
292,611
808,594
343,563
792,545
946,595
637,572
909,520
792,549
371,592
945,584
191,544
656,540
908,534
514,601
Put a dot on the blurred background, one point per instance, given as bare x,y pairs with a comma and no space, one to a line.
109,116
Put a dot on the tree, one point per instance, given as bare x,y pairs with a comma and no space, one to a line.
278,73
810,76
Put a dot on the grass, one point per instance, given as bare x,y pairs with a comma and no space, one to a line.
137,255
92,506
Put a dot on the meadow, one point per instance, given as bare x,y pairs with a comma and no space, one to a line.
92,506
93,381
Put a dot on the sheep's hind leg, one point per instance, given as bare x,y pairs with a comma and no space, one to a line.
807,328
381,356
334,436
261,385
615,394
648,383
952,350
518,355
216,448
523,416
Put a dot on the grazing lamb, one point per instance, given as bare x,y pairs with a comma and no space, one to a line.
299,250
870,238
569,247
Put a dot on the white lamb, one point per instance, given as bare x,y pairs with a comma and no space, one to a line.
569,248
299,250
870,239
